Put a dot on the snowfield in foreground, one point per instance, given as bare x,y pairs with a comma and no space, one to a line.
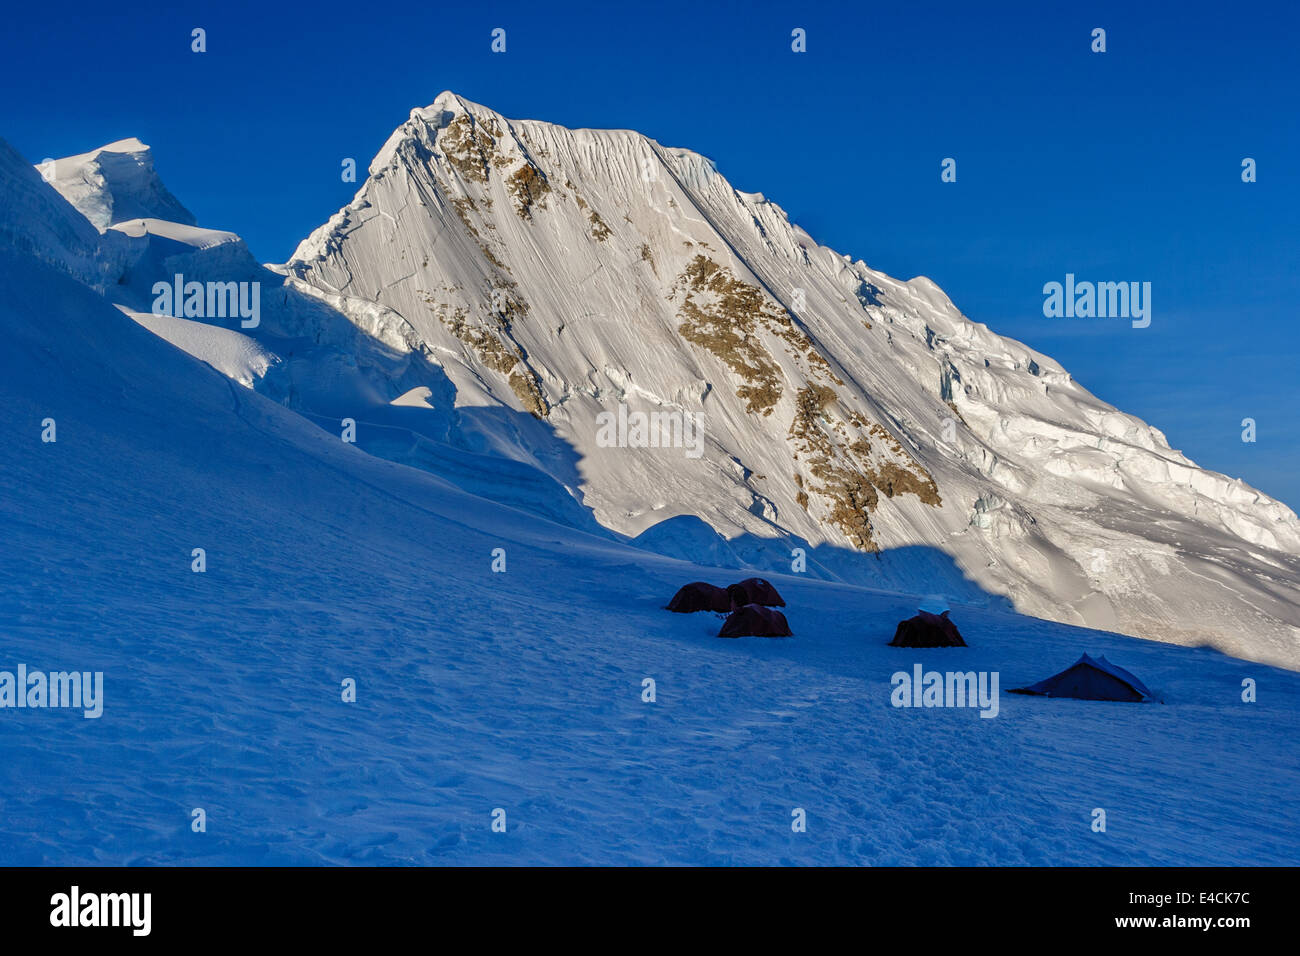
518,690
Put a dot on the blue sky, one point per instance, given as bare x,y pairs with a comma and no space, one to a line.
1117,166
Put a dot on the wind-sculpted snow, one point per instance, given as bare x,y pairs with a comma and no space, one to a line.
115,183
231,353
36,220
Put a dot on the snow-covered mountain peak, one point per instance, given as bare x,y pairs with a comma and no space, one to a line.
564,273
115,183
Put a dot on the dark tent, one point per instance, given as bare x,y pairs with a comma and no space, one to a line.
698,596
737,597
927,630
1091,678
754,620
759,591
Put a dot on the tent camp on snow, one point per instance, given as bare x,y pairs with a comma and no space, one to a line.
750,616
1091,678
927,629
759,591
754,620
748,604
698,596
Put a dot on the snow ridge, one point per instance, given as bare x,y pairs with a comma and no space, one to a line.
115,183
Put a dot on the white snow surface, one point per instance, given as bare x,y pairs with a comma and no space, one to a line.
231,353
114,183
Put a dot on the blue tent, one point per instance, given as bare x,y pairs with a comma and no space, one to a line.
1091,678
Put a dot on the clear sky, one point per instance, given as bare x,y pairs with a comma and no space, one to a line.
1115,166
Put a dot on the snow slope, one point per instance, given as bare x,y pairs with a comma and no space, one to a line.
557,274
36,221
234,355
519,690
